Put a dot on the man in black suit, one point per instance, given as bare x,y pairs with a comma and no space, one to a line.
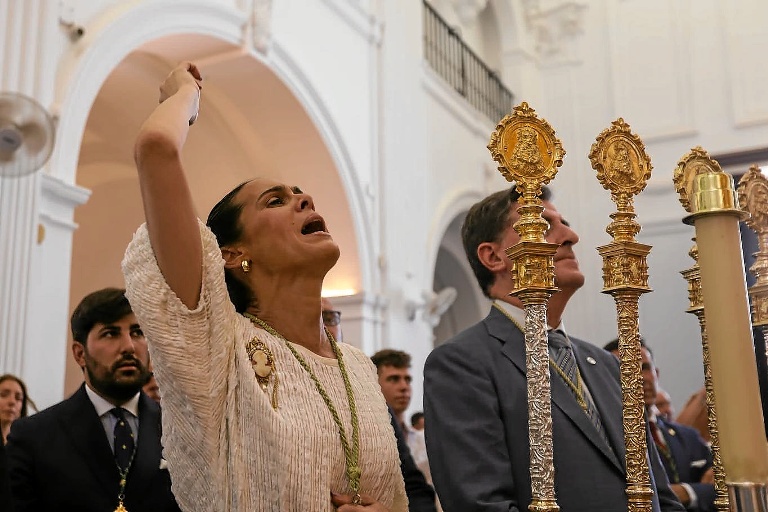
475,387
5,491
98,450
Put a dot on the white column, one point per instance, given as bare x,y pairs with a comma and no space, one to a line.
45,349
404,172
28,64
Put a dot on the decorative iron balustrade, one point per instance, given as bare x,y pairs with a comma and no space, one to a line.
455,62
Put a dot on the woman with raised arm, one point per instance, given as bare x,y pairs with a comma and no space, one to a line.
262,409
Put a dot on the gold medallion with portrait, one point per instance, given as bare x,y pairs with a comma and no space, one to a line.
619,157
526,148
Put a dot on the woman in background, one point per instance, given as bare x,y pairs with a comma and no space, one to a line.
14,402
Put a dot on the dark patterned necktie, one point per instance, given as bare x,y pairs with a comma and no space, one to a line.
562,355
663,449
124,442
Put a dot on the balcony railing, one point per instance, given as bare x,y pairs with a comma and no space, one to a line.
452,59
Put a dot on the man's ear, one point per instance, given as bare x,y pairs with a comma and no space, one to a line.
233,257
490,256
78,351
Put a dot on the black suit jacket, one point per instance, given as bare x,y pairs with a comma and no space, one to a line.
691,457
5,490
60,459
421,495
476,407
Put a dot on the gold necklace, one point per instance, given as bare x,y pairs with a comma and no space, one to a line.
576,387
351,453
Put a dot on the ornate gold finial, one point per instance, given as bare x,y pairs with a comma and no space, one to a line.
753,198
623,168
525,147
703,187
619,157
529,154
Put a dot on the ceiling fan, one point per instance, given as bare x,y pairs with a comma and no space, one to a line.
26,135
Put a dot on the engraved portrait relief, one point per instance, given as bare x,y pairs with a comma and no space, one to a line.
622,170
526,157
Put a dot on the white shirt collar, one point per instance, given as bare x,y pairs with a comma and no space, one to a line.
103,406
653,413
518,315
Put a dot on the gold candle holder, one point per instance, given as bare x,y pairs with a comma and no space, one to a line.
623,168
753,198
696,307
707,193
529,154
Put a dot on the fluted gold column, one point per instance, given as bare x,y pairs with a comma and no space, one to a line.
696,307
623,168
529,154
707,193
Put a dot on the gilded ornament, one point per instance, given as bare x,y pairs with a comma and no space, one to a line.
703,187
694,163
619,157
261,360
528,153
526,148
623,168
263,364
753,198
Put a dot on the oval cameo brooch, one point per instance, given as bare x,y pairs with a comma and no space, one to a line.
263,363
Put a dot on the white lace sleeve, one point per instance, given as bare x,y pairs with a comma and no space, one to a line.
193,354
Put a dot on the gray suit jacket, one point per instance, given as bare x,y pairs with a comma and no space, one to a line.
476,417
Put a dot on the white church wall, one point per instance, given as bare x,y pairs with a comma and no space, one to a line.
675,71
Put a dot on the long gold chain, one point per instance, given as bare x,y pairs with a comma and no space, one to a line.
576,387
351,453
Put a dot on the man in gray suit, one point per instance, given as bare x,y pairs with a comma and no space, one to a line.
476,395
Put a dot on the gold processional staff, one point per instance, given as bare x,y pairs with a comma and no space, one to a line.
696,307
623,168
529,154
708,195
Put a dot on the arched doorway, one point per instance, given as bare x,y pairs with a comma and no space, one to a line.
452,269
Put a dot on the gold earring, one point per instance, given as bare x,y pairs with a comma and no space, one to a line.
246,266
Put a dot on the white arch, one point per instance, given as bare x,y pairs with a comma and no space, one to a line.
107,41
122,29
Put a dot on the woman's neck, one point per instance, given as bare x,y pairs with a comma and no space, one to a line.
5,428
295,314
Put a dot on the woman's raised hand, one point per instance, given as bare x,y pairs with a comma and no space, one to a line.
183,75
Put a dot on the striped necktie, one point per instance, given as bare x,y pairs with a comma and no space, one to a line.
562,355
